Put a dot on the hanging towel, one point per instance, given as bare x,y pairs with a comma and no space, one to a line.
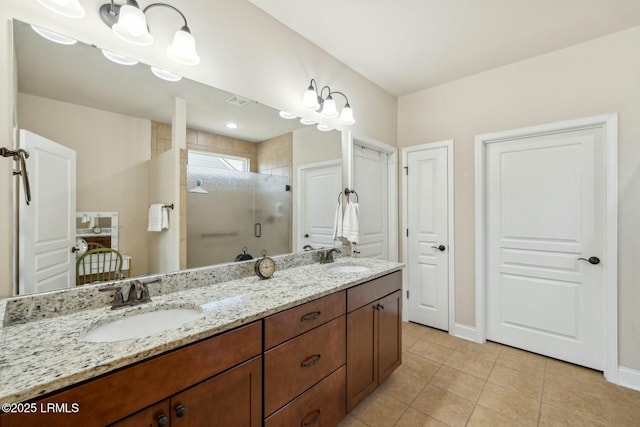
351,223
158,217
337,223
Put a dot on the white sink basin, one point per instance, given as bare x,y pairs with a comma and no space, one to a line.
347,268
141,325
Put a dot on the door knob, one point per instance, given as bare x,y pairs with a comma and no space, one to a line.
440,248
74,249
592,260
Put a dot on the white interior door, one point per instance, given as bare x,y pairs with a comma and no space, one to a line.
428,247
544,211
47,226
371,182
320,185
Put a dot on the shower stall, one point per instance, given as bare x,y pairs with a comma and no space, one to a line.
228,210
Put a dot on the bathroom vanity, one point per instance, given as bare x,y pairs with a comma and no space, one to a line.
302,348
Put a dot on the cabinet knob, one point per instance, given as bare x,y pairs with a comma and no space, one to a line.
162,420
181,411
311,418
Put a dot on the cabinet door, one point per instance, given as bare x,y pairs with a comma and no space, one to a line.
362,353
157,415
231,399
389,334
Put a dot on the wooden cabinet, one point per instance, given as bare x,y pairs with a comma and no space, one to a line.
304,379
374,336
229,399
116,395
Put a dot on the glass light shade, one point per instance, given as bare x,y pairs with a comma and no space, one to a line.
324,128
53,36
183,48
231,125
329,108
287,115
310,100
117,58
68,8
307,121
132,26
165,75
346,116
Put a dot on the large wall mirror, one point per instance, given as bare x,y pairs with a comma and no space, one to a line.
249,187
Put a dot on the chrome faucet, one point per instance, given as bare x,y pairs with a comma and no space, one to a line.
138,294
327,256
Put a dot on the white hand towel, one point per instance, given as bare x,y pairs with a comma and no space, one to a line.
337,223
351,223
156,217
165,218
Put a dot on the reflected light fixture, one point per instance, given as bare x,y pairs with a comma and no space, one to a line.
318,101
323,128
68,8
129,23
117,58
307,122
165,75
198,188
287,115
231,125
53,36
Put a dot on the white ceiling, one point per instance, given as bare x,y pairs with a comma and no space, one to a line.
408,45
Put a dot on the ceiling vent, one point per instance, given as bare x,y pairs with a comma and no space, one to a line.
238,101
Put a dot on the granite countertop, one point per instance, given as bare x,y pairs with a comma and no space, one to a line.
42,356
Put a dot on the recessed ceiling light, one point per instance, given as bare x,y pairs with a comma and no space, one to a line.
287,115
53,36
117,58
307,121
165,75
324,128
231,125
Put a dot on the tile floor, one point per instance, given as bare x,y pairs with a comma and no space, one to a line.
447,381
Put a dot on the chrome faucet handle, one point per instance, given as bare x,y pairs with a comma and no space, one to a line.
145,296
132,298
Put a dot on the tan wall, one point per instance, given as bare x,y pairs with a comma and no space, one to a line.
274,155
112,156
602,76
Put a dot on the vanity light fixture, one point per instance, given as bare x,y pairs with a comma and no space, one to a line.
117,58
53,36
231,125
165,75
318,101
68,8
130,24
287,115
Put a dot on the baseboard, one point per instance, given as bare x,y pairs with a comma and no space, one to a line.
465,332
629,378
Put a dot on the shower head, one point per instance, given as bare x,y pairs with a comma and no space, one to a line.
198,188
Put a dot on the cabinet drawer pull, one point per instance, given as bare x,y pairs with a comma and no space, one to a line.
181,411
311,316
311,418
310,361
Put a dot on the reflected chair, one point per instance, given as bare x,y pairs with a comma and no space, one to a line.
99,265
94,245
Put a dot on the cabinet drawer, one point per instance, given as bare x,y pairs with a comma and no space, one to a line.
297,320
322,405
293,367
373,290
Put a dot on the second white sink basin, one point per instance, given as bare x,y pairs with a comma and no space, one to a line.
347,268
141,325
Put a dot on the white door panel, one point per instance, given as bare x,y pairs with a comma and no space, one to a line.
427,214
371,183
321,186
545,204
47,226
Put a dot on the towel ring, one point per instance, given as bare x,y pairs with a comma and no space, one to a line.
348,191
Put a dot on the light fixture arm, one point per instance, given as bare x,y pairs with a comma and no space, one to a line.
185,27
338,92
